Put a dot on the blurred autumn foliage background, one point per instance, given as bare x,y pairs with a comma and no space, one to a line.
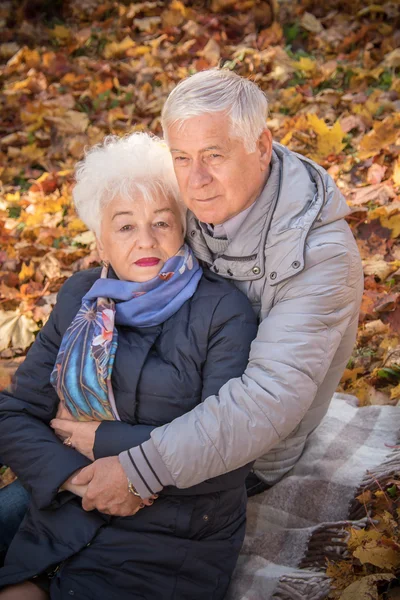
74,71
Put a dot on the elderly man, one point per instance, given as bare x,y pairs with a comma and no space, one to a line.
272,222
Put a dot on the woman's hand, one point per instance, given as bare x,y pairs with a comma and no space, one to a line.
81,434
78,490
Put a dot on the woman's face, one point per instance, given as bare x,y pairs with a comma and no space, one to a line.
137,237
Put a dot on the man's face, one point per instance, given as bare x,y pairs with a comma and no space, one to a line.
216,176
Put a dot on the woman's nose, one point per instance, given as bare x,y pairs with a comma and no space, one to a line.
146,238
199,176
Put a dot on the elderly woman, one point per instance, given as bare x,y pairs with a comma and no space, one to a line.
127,348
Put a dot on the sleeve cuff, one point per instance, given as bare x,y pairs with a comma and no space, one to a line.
145,469
45,495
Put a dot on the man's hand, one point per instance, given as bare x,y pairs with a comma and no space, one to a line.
80,433
107,489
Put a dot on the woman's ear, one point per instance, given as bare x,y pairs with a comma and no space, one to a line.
100,249
264,146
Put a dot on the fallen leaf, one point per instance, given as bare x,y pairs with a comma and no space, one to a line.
306,65
375,553
6,477
211,52
366,587
376,173
16,330
311,23
114,49
396,172
27,271
329,139
379,193
383,134
392,60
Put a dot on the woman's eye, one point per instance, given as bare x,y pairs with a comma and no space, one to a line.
126,228
161,224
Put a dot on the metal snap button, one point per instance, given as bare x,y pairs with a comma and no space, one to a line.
295,264
71,592
205,517
230,272
256,270
273,275
193,233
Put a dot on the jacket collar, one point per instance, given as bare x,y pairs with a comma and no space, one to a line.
270,242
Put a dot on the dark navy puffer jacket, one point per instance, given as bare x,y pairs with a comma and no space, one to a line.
187,543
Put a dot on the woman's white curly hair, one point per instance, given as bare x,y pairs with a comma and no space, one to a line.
137,164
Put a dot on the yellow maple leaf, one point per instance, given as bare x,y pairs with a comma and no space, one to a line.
329,139
27,271
76,226
306,65
376,554
389,217
13,197
358,537
61,33
114,49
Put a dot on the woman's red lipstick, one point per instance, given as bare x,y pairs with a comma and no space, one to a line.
147,262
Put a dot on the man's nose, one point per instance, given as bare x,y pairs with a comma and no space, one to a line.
199,176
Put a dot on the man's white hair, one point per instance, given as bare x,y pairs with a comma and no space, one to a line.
219,90
137,164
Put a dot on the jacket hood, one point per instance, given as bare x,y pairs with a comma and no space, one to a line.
299,195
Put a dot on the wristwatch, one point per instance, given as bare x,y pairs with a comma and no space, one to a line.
132,489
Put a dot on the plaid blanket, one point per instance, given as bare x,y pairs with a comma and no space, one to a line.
294,526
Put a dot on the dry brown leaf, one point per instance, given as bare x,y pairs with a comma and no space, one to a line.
311,23
383,134
6,477
365,588
211,52
376,173
16,330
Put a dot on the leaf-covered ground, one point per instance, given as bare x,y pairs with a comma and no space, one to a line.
72,72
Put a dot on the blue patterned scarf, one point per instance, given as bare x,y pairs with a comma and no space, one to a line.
83,369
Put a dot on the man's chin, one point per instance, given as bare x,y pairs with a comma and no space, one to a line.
207,215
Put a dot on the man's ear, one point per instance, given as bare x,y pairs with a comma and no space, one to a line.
264,147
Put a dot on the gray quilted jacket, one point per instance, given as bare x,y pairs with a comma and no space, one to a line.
296,259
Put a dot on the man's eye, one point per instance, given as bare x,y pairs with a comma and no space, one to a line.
215,155
162,224
180,159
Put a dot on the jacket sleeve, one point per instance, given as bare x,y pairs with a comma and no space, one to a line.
289,359
27,443
113,437
233,327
